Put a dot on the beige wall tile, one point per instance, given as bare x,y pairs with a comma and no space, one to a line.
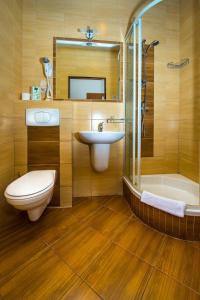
82,110
6,157
106,185
20,130
65,196
6,130
66,129
6,178
66,109
189,98
20,170
21,153
10,84
82,171
106,110
66,175
162,23
81,125
82,184
66,152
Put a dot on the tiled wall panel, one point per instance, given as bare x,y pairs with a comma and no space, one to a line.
162,23
55,149
10,83
189,90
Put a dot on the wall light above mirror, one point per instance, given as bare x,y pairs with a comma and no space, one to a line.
87,70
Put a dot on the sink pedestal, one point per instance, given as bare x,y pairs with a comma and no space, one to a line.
99,143
100,156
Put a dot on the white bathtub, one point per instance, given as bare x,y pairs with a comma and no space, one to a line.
173,186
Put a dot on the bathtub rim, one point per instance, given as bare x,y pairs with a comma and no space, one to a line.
191,210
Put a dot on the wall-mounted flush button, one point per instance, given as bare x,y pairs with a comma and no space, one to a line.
42,117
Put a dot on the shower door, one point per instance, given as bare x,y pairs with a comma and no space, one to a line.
133,57
129,106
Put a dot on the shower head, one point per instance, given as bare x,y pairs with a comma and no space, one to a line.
47,67
151,45
155,43
44,60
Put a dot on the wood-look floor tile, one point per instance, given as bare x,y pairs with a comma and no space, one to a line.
161,286
181,261
80,245
18,245
48,277
107,221
53,224
10,217
119,204
83,208
194,244
79,239
141,240
116,274
80,291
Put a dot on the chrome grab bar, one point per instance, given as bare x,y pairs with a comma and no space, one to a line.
113,120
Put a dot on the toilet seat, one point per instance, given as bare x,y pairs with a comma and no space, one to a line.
31,185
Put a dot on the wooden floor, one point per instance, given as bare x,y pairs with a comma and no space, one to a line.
95,250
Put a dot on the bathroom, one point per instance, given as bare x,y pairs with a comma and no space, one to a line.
96,239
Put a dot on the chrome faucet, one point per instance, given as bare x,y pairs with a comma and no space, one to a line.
100,126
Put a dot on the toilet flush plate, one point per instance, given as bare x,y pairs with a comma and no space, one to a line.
42,117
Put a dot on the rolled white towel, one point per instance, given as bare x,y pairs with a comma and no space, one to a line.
171,206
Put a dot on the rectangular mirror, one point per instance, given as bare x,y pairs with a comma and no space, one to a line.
87,70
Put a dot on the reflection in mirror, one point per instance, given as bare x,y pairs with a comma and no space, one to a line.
87,70
86,88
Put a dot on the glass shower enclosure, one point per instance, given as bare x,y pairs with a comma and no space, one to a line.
133,99
133,104
161,76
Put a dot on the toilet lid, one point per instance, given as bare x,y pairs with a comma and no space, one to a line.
31,183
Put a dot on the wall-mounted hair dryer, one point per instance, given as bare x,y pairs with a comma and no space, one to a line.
48,71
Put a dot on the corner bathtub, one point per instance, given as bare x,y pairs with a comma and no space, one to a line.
174,187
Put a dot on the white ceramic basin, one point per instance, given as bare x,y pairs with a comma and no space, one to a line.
99,143
104,137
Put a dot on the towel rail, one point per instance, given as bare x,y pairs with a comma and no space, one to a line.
113,120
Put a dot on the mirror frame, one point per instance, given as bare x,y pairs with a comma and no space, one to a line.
95,41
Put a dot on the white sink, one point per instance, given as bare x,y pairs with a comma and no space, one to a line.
104,137
99,143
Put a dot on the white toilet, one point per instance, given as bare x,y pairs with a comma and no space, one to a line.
32,192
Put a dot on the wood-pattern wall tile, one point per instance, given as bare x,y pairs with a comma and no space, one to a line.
42,133
43,152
